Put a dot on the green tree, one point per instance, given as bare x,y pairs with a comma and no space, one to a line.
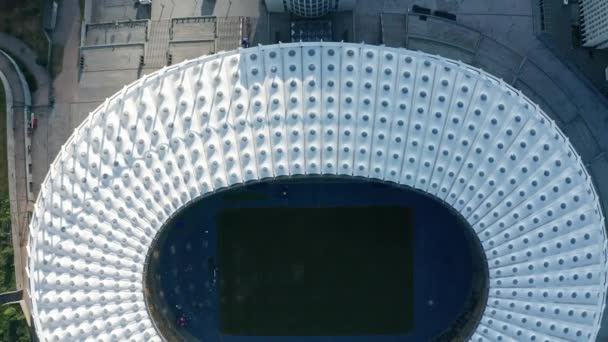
5,209
12,324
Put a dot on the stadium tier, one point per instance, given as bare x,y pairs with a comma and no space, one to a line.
396,116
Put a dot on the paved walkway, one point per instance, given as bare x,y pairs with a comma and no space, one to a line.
54,124
67,34
17,48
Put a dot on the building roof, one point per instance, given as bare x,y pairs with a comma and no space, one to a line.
395,115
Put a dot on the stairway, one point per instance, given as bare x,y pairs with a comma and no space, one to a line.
158,44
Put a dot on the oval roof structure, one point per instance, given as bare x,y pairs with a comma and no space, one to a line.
400,116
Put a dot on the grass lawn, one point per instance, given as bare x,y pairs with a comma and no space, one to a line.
23,19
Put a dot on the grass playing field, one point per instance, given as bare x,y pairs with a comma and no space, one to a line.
316,260
316,271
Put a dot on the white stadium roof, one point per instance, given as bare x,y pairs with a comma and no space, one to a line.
395,115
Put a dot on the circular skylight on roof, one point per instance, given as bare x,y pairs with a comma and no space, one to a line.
399,116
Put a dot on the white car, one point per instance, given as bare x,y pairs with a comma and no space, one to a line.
145,2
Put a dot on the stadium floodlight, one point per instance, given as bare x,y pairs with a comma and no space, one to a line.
398,116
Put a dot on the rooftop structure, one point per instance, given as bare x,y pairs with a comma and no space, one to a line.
398,116
595,23
309,8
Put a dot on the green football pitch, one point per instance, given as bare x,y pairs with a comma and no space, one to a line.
316,271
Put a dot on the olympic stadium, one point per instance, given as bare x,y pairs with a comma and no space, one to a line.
195,178
206,201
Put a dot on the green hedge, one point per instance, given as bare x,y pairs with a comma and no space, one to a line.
12,324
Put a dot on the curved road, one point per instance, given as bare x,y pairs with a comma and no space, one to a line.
19,49
17,172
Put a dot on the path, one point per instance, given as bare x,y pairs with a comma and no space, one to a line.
157,47
11,297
